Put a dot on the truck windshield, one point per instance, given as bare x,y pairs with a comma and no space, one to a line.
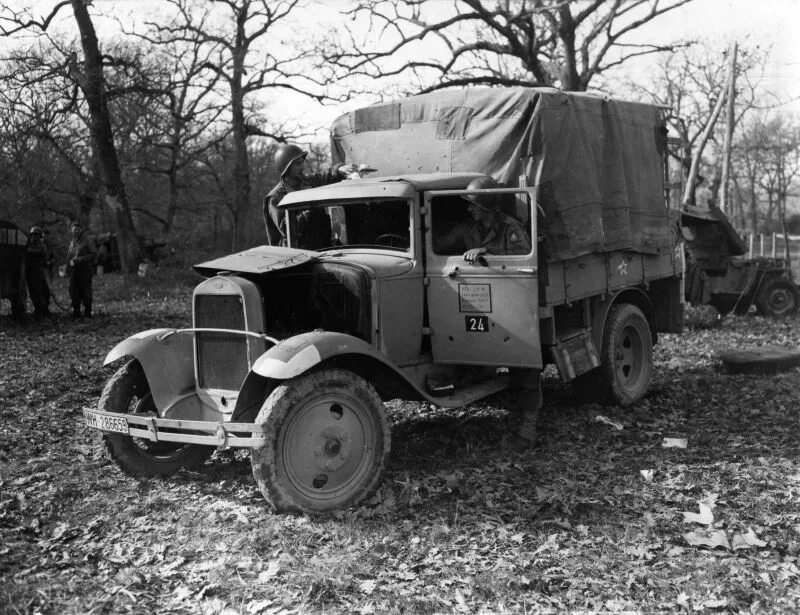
375,223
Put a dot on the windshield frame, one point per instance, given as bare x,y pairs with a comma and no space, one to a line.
292,210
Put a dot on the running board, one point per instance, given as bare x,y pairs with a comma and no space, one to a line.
463,396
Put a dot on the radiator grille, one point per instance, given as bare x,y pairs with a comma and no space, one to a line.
221,357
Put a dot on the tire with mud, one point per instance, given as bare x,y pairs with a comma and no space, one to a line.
626,355
128,392
327,441
778,297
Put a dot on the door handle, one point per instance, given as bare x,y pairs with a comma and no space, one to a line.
528,270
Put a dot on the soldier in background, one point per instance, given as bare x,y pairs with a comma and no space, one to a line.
81,258
37,262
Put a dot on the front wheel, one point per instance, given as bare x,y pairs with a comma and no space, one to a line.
327,440
778,297
626,355
129,393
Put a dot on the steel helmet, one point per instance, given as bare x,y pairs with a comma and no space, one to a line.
36,230
488,202
286,155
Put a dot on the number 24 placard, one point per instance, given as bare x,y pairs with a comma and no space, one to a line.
477,324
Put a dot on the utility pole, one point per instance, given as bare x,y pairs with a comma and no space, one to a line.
726,161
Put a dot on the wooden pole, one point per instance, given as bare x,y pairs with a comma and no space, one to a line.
726,161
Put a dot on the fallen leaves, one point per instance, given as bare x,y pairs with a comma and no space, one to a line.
604,419
459,525
705,516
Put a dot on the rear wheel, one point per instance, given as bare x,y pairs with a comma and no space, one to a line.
327,440
128,392
778,297
626,355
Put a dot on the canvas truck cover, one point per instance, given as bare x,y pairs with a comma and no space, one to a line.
597,163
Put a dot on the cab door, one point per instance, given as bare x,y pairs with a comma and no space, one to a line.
486,312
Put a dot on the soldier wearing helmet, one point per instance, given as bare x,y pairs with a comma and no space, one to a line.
490,231
290,161
37,260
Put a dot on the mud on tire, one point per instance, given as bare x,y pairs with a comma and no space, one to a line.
128,392
626,356
327,441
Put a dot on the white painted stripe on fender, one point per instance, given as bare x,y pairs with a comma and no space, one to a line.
275,368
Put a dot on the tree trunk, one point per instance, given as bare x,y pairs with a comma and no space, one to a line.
92,84
241,164
569,77
724,203
241,172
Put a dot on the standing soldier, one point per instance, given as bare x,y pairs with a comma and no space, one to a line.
290,159
37,262
81,258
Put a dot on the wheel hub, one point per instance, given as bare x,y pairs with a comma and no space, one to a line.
332,447
779,299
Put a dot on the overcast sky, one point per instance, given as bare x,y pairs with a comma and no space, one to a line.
765,22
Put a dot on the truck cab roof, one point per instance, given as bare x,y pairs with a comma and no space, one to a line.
390,187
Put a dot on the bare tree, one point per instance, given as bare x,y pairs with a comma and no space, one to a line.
692,83
45,143
505,43
89,77
175,118
235,38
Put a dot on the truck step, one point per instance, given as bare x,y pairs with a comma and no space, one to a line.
575,355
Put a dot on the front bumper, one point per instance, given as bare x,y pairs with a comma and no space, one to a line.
209,433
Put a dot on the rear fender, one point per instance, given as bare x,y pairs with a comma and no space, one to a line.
167,357
634,296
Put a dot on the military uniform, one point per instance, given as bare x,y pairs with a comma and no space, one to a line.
274,218
81,258
37,261
505,236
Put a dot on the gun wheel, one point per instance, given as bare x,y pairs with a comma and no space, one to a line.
778,298
327,440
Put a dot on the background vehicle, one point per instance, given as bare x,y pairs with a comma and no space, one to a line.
293,349
718,273
13,243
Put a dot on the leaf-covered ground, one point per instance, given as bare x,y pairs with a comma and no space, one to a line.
600,516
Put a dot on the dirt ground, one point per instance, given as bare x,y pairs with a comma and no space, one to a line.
604,514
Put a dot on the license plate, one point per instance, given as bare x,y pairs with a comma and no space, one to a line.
105,423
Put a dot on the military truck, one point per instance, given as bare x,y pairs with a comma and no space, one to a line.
719,274
13,243
293,350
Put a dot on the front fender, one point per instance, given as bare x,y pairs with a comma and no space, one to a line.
167,357
298,354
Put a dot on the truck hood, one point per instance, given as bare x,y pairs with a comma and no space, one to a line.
261,259
265,259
